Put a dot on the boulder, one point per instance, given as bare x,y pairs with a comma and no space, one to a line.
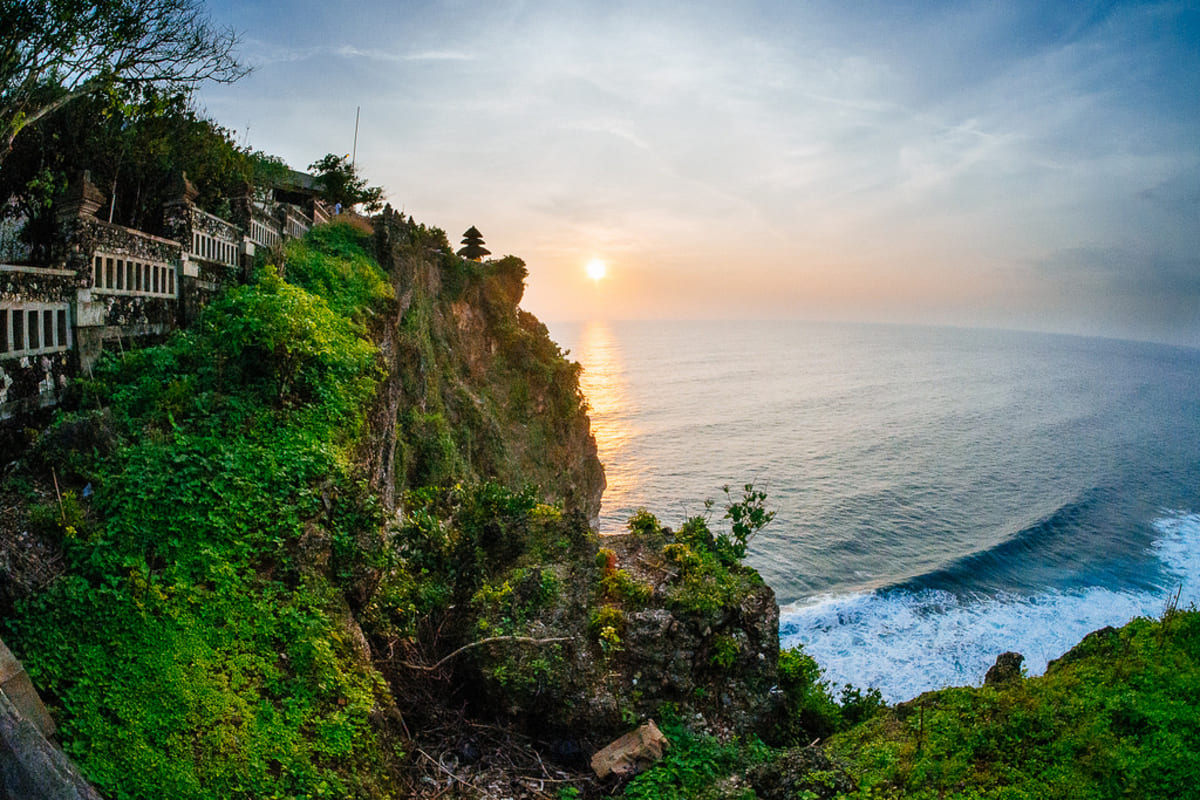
632,753
1007,669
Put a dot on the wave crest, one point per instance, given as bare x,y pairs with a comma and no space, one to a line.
909,639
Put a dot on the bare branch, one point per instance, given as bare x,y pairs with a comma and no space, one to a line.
489,640
53,51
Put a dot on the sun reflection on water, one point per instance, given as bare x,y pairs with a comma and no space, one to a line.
604,384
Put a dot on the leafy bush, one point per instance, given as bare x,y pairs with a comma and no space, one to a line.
809,712
746,518
461,545
620,586
706,582
693,764
291,350
334,262
193,649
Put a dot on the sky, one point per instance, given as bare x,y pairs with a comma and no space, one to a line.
1029,165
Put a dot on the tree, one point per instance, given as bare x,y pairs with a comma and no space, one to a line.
56,51
339,182
135,153
473,245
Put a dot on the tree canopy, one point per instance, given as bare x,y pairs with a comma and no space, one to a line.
135,153
56,51
339,182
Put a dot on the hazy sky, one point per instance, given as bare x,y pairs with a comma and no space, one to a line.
1030,165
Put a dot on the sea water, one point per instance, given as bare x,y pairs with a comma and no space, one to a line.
942,495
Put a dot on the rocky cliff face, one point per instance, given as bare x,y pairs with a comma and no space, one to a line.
476,388
558,629
629,628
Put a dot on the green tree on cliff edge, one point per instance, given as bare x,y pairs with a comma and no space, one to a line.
339,182
55,51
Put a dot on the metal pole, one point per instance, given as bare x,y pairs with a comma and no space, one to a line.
354,152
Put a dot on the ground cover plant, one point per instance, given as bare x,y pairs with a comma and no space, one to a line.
1116,717
196,646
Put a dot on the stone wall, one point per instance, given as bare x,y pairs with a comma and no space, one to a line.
126,283
31,766
112,287
36,338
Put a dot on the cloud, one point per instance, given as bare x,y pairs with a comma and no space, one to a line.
270,53
1127,272
939,144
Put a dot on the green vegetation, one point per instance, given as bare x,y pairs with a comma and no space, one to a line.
809,710
486,394
57,52
693,765
710,576
237,617
135,149
197,646
1114,718
333,263
341,184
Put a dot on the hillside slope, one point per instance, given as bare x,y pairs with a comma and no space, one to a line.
347,510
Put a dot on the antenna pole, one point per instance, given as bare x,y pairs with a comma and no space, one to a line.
354,152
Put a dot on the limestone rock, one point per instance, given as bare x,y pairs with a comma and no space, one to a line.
632,753
1007,669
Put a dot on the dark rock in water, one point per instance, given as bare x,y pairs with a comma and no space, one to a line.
1007,669
800,772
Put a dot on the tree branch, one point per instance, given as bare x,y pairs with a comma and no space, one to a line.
489,640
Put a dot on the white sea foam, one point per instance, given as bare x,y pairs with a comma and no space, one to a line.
905,643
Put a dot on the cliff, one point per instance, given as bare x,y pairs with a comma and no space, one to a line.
287,550
475,388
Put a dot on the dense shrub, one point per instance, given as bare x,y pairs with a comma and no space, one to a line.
334,262
193,650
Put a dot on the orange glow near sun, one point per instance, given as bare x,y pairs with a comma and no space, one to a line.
596,269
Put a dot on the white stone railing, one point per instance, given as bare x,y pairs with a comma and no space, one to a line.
125,275
266,235
295,223
214,239
33,328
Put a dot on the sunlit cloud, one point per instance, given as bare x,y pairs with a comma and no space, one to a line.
817,150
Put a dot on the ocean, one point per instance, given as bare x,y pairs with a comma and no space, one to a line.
941,495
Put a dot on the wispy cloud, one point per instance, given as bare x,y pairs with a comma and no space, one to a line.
268,53
959,142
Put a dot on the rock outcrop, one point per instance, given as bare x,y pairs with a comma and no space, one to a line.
1007,669
31,766
476,389
634,642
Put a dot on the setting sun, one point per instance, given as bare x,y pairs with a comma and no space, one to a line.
596,269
